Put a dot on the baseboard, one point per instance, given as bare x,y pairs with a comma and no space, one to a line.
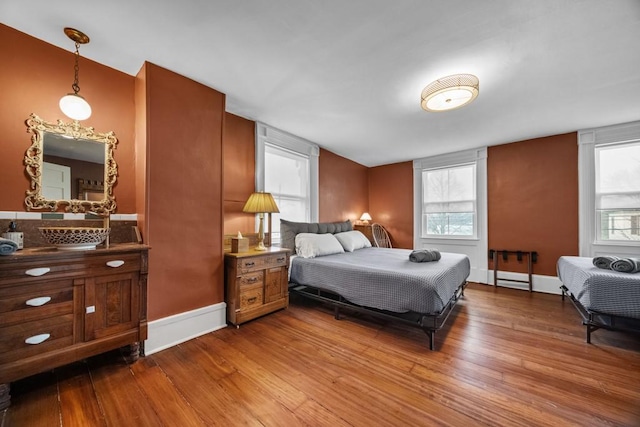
478,275
544,284
176,329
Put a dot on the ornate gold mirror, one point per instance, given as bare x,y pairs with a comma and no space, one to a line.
70,166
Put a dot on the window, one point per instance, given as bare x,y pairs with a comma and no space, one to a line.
287,179
617,192
609,189
450,206
449,201
287,167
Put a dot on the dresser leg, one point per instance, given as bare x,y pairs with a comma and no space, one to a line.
5,397
132,352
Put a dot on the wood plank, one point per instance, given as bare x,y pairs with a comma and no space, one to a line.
170,405
120,398
78,401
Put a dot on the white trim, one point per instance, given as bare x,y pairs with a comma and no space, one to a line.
268,134
540,283
29,215
588,139
173,330
8,215
65,215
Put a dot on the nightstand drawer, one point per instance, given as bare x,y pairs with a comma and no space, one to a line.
251,296
261,262
249,279
275,260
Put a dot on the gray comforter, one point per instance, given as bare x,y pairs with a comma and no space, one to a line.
604,291
385,278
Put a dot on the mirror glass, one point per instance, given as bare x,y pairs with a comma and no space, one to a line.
71,167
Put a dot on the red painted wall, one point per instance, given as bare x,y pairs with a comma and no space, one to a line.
343,186
239,173
183,217
533,200
33,77
391,201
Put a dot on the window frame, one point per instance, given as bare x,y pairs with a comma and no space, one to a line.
474,247
590,244
267,135
474,235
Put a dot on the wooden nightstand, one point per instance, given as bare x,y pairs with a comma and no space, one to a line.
256,283
366,230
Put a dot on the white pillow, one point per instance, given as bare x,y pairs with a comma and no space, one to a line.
311,245
352,240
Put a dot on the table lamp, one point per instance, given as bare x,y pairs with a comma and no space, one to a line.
261,203
365,218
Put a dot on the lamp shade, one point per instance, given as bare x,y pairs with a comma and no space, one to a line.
75,107
365,217
261,203
451,92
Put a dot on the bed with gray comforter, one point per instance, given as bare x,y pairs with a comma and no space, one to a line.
605,298
378,281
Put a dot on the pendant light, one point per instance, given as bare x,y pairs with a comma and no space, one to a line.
73,105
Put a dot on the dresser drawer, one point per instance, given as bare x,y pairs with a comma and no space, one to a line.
252,278
251,296
25,303
56,269
261,262
31,338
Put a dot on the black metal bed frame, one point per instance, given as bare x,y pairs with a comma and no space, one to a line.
594,320
429,323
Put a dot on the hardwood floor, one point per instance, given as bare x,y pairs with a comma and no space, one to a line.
505,357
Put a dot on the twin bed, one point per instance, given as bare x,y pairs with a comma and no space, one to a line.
378,281
604,298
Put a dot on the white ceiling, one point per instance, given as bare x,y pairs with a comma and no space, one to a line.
347,74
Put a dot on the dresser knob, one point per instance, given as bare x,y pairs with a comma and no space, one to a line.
35,272
249,264
37,339
37,302
115,263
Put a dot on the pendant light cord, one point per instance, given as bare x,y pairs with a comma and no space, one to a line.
75,86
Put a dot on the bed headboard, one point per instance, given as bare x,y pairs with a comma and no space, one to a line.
289,230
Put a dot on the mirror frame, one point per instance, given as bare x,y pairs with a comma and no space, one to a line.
33,166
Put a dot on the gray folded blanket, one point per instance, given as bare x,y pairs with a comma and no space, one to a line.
424,255
604,261
626,265
7,247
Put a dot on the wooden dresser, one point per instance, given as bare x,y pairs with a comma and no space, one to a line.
256,283
366,230
57,307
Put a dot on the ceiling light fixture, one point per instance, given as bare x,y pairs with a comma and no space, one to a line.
73,105
451,92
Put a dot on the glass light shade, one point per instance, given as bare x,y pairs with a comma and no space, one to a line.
365,217
448,99
75,107
451,92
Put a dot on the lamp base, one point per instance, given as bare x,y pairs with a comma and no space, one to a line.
260,247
